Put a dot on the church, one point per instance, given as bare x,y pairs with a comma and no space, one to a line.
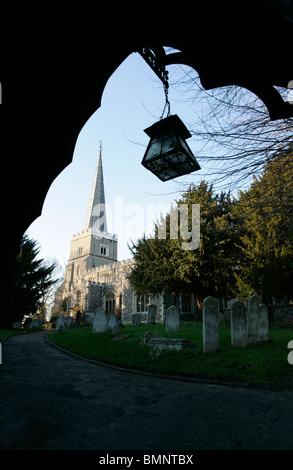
95,278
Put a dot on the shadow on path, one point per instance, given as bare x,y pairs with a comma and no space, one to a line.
52,400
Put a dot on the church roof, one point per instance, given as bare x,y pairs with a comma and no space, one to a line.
96,211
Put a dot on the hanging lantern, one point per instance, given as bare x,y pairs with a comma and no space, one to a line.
167,154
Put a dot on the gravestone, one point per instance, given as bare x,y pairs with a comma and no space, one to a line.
253,318
89,318
60,322
100,321
28,324
112,321
116,330
36,323
151,317
148,335
136,319
210,319
172,319
238,325
263,324
69,322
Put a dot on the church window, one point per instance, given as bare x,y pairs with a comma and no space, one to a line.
78,296
78,270
79,250
104,250
110,302
141,303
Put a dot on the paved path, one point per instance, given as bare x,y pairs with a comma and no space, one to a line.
52,400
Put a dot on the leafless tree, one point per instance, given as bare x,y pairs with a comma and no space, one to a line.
231,129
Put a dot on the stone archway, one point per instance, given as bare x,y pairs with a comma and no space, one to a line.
56,60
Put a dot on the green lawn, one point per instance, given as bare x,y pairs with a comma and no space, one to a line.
6,333
264,364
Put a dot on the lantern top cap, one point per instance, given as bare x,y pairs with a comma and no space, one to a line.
171,123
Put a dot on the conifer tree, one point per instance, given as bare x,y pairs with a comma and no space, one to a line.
162,264
29,281
265,209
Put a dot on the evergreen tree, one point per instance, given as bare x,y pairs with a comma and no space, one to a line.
267,243
30,279
162,264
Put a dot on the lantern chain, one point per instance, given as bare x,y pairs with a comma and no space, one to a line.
167,102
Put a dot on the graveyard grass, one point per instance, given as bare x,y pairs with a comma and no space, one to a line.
264,364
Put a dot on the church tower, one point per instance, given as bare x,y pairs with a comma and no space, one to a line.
94,246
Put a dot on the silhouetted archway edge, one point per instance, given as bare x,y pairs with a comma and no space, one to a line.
53,78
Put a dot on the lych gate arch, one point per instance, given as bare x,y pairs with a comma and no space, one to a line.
56,61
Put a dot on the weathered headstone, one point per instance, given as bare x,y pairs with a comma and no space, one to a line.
238,325
36,323
253,318
222,320
28,324
148,335
69,322
172,319
100,321
136,319
89,318
210,321
151,317
116,330
112,321
263,324
60,322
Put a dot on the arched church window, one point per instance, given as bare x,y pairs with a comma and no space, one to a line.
78,297
110,302
78,270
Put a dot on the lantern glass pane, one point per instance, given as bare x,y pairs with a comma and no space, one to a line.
160,146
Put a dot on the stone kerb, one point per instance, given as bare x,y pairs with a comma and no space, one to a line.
238,325
100,321
172,319
210,325
253,318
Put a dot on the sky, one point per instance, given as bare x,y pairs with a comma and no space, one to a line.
133,100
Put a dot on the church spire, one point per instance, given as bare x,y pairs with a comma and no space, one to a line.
96,211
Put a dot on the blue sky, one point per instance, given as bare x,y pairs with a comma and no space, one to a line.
133,100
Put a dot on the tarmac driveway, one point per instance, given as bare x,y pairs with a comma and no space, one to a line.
52,400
